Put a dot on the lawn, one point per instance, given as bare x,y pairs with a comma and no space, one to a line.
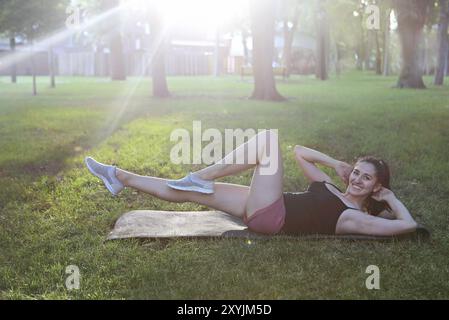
53,213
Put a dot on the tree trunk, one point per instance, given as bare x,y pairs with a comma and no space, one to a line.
322,65
368,51
322,45
447,65
411,74
411,15
158,47
262,25
386,60
339,56
245,46
378,55
51,67
217,53
360,50
33,71
359,62
115,42
287,50
424,53
118,68
443,47
12,44
289,34
34,83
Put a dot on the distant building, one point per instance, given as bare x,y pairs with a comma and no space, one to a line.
188,53
25,67
303,53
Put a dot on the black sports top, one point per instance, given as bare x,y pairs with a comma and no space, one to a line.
315,211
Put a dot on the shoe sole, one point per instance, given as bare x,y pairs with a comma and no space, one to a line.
105,181
192,188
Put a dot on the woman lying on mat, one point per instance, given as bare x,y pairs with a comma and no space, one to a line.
367,206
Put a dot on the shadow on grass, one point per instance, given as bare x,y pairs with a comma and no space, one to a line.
16,174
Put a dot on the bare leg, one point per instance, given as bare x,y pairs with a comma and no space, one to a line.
265,188
266,185
229,198
234,199
235,161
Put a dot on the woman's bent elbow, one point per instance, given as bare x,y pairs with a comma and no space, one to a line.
413,225
407,227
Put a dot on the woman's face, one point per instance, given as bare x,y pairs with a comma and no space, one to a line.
363,180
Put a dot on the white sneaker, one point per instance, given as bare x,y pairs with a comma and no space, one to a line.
105,173
192,183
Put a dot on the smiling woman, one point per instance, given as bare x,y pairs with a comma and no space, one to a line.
367,192
264,207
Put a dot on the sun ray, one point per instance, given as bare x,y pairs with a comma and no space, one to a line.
123,104
13,58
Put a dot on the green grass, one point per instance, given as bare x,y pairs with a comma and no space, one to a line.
55,214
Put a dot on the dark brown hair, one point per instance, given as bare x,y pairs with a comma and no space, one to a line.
375,207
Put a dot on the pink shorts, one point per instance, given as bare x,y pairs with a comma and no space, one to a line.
268,220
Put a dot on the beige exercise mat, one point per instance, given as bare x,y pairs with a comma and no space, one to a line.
171,224
174,224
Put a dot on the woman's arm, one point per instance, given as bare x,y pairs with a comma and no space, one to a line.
356,223
398,209
307,158
386,214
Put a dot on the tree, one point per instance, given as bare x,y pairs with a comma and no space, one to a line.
346,32
322,43
12,26
262,26
158,49
447,66
443,47
290,23
115,41
428,50
386,52
41,18
382,37
362,48
411,16
373,37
